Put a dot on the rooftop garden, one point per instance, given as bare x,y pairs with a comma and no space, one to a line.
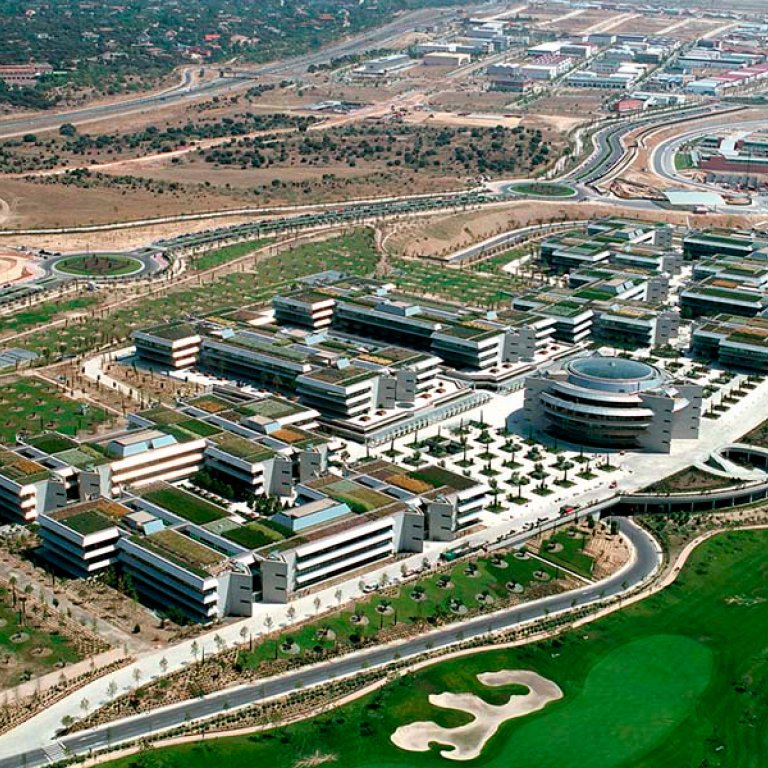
184,504
269,407
357,497
437,477
91,517
181,550
210,403
241,448
172,331
690,479
253,535
21,470
51,442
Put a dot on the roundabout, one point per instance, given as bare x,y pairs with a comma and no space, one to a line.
540,189
98,266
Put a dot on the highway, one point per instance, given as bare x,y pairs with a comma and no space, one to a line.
187,90
609,148
642,567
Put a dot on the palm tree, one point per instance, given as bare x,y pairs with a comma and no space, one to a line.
195,648
494,485
517,479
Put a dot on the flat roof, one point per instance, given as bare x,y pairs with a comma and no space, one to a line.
20,469
693,197
182,503
183,551
90,516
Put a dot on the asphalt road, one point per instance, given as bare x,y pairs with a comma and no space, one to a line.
187,90
646,561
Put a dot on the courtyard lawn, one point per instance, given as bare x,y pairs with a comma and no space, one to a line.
676,680
31,405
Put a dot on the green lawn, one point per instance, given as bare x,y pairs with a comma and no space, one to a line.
354,253
462,285
679,679
435,602
543,189
571,555
43,313
31,405
219,256
34,652
683,161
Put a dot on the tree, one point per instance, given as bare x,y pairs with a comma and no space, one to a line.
112,688
85,705
67,129
195,648
268,622
163,665
317,603
291,613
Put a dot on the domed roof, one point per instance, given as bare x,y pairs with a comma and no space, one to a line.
614,374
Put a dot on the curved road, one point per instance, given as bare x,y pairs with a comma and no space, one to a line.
662,160
187,90
645,563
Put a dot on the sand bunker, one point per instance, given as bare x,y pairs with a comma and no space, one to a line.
467,741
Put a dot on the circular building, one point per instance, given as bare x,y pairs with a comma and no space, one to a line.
613,402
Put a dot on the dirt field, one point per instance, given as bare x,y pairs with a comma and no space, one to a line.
445,234
579,105
56,205
15,266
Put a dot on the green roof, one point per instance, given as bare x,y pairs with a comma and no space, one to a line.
242,448
171,331
181,550
20,469
51,442
269,407
438,477
184,504
357,497
91,516
253,535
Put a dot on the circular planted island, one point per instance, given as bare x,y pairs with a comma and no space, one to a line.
98,265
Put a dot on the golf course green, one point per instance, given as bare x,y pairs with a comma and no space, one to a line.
680,679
